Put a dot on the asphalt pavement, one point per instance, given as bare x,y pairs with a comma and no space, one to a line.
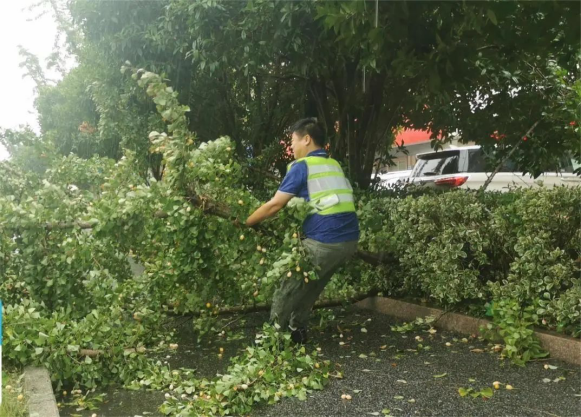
384,371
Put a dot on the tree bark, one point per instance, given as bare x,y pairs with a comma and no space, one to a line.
371,134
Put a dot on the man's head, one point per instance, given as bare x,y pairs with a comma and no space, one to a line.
307,136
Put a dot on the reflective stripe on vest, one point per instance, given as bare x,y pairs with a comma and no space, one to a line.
318,169
321,185
329,190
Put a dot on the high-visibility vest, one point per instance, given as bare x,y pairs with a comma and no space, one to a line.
329,190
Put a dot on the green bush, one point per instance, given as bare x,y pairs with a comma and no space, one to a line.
471,248
564,310
538,274
440,240
513,324
538,233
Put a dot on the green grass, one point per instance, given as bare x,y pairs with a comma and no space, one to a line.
11,389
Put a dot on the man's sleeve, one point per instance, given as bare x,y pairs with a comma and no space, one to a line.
295,179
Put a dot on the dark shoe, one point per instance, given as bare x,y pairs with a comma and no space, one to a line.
299,335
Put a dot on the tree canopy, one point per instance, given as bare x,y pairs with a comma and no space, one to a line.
486,70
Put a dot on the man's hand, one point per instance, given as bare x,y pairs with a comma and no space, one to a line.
269,208
237,223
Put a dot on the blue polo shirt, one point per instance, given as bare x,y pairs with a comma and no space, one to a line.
333,228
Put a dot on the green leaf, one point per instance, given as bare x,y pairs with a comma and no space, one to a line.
492,16
487,392
434,80
302,395
441,375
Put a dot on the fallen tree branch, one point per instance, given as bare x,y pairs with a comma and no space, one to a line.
202,203
69,225
210,207
96,352
377,259
240,310
245,309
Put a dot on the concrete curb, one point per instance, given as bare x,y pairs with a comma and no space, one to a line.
560,347
38,390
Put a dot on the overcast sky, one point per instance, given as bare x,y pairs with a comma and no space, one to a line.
16,105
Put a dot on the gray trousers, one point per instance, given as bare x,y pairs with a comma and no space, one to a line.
293,300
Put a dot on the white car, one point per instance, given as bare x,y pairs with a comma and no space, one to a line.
465,168
389,179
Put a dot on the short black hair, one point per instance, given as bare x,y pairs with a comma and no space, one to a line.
310,126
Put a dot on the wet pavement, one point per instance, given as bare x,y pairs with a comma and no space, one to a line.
382,370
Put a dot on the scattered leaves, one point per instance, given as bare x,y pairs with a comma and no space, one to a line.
484,392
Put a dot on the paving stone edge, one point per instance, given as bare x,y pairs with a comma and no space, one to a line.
560,347
38,391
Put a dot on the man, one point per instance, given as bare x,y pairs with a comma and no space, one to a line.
331,233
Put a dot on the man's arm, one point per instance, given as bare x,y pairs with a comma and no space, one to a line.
269,208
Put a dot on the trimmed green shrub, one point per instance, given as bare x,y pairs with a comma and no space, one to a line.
471,248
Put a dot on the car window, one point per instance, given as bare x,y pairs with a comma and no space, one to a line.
440,163
477,163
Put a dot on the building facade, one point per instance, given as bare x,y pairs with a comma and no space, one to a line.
415,142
